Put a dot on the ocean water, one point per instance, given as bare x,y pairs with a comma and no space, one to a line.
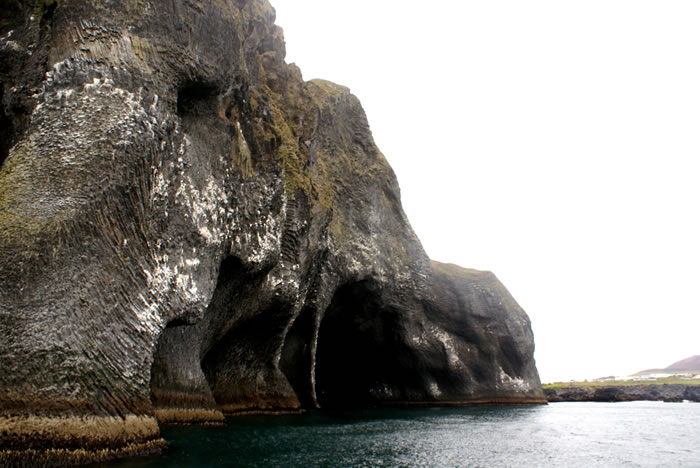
559,434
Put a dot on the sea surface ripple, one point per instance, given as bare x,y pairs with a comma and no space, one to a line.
558,434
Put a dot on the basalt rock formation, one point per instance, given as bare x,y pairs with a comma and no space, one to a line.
188,229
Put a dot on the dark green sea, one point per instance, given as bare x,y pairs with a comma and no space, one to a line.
559,434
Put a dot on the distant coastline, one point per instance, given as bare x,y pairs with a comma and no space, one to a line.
671,388
614,393
678,382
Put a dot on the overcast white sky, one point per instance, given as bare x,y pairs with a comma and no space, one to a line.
555,143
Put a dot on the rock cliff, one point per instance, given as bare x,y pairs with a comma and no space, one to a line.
188,229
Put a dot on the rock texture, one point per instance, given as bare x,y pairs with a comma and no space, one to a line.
188,229
612,393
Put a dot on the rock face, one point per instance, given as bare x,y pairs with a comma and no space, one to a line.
188,229
612,393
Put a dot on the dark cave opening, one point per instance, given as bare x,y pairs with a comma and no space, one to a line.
238,336
196,99
242,367
48,8
177,378
359,354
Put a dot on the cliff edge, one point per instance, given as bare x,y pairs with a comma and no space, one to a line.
188,229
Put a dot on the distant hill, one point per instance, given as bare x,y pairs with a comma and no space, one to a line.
688,364
685,365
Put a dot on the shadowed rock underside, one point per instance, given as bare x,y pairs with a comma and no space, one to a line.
188,229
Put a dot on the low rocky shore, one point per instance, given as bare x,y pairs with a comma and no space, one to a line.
653,392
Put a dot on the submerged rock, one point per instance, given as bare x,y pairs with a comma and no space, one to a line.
189,229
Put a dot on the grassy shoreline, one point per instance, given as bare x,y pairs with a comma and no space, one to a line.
671,380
